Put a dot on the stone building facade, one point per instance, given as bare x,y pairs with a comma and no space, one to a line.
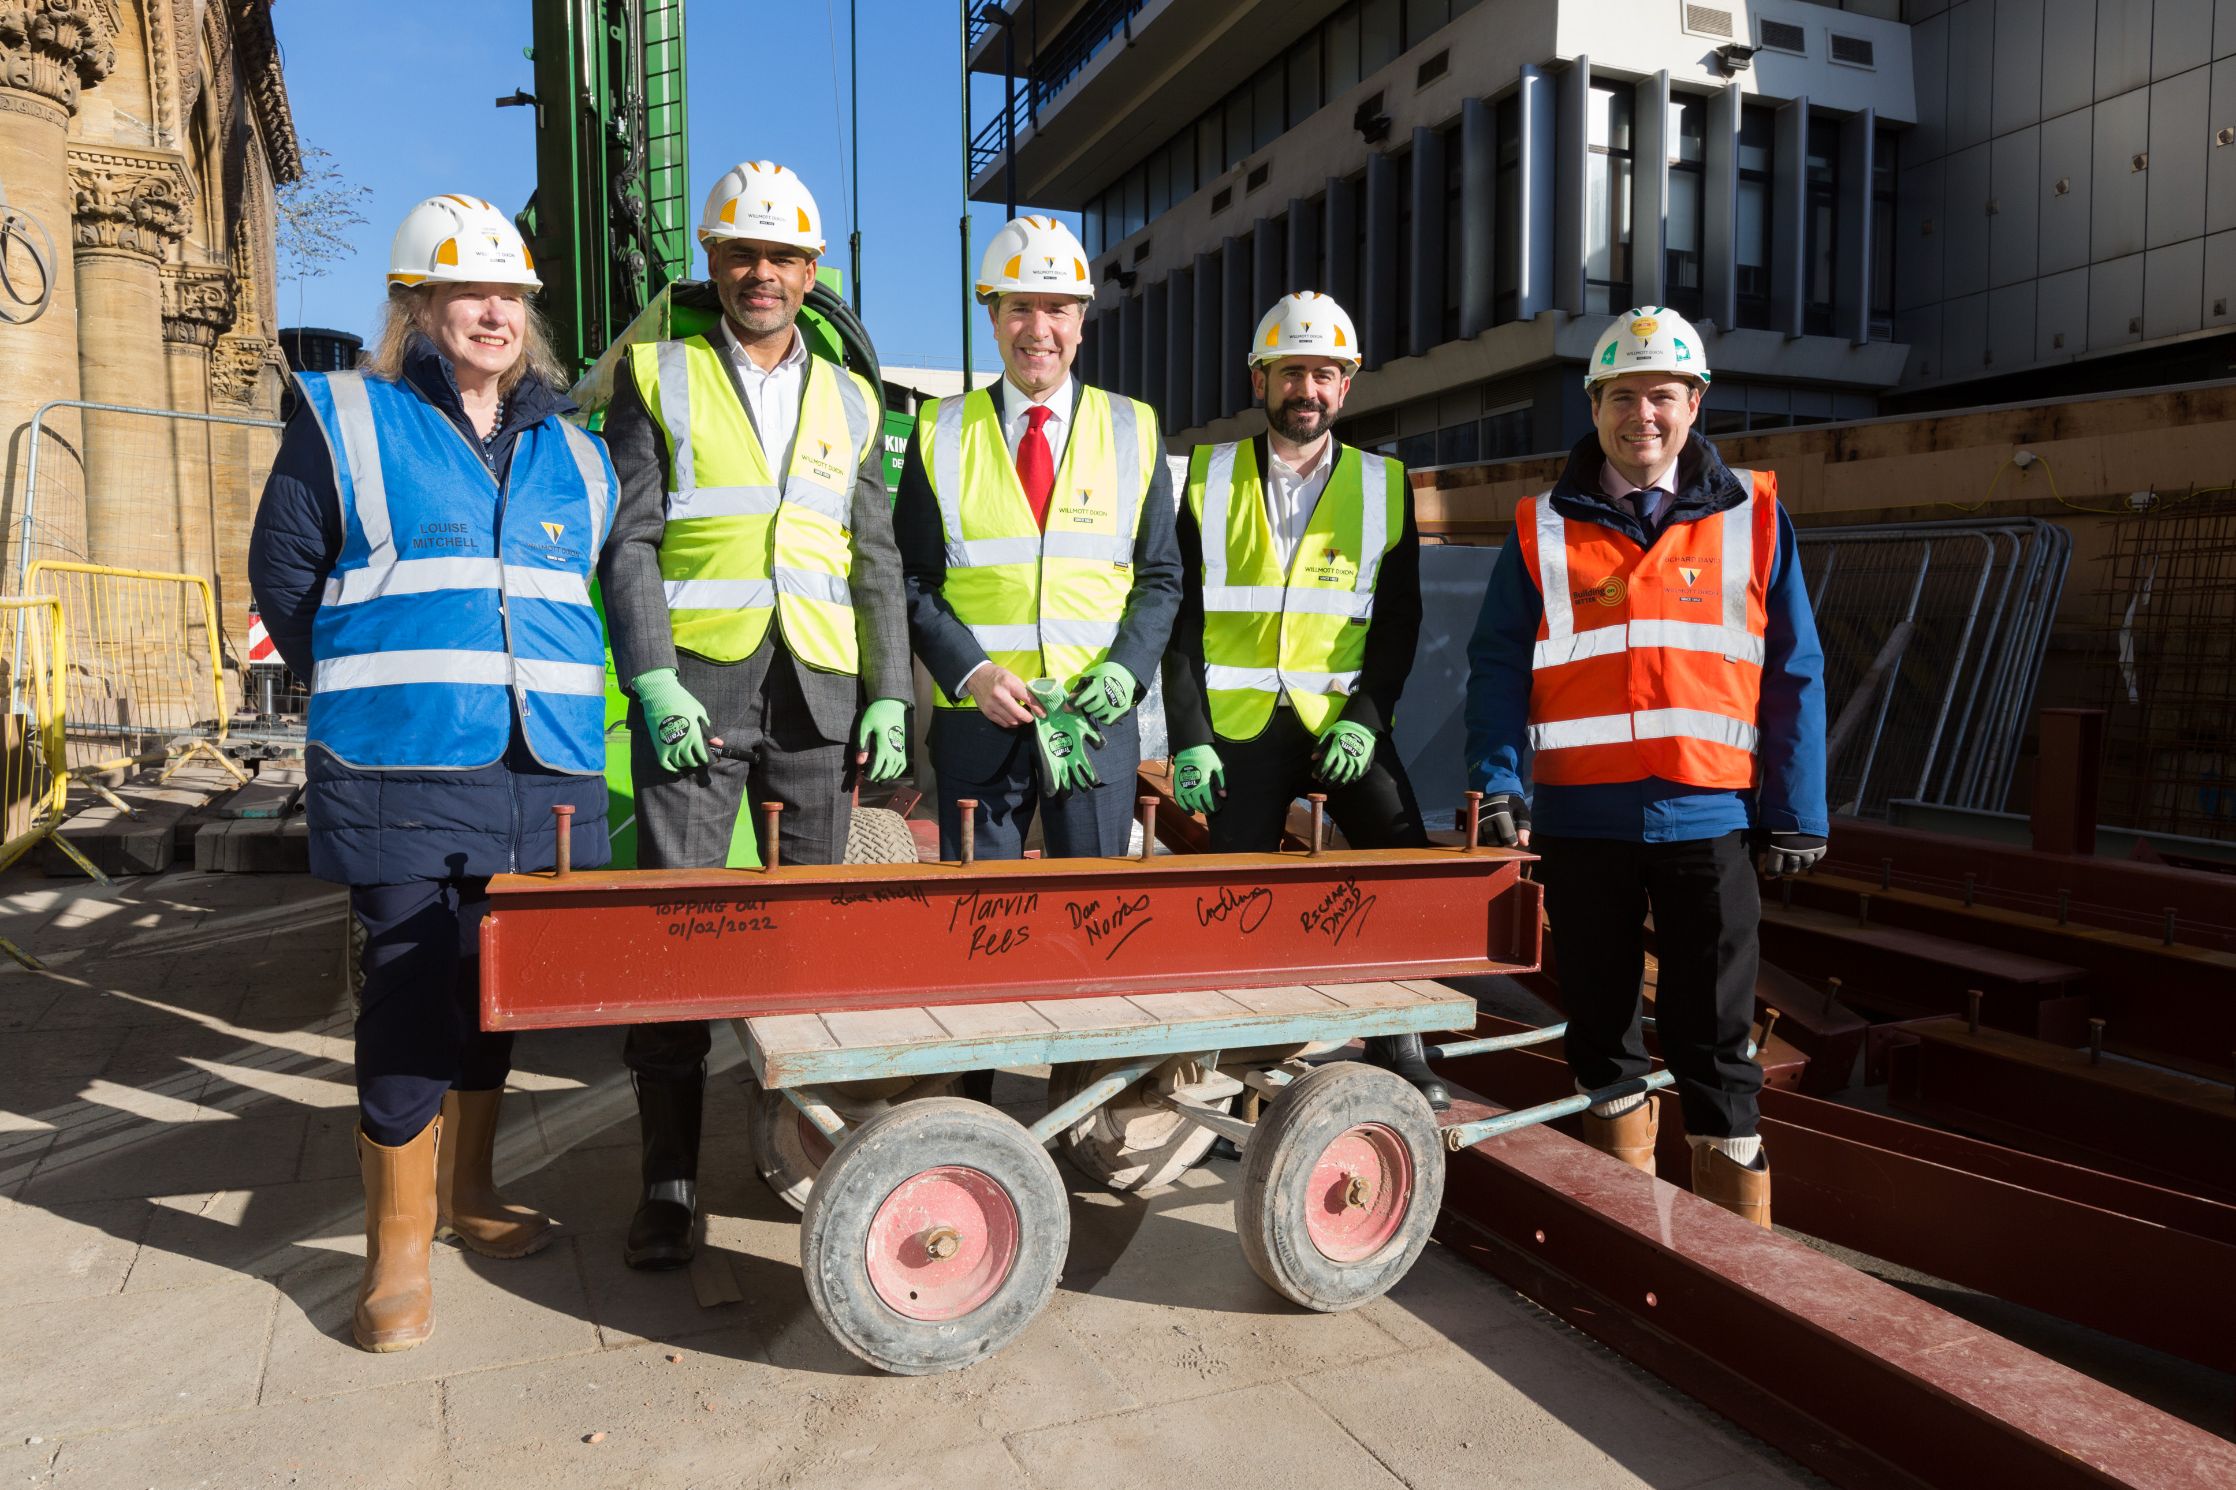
146,138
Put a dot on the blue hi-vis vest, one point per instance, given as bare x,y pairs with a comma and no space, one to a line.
451,606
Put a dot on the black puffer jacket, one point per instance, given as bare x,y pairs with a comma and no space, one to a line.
387,827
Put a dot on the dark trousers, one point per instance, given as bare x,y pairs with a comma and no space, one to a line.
1268,773
979,760
419,1021
1706,906
684,820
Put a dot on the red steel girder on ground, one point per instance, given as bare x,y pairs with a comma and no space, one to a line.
2135,1261
2151,1124
621,946
1851,1376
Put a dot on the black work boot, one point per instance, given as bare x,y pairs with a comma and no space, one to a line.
1403,1054
662,1234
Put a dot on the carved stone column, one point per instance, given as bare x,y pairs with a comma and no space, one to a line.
131,206
49,50
198,307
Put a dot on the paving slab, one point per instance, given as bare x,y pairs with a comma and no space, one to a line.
265,1232
378,1440
69,1252
127,1359
220,1153
1262,1435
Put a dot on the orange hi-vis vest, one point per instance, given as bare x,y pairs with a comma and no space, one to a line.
1649,661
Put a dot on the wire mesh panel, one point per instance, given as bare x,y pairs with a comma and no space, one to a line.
1934,635
2165,666
33,778
142,678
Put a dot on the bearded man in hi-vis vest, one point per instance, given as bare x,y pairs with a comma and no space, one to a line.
1035,525
1299,616
1647,636
753,593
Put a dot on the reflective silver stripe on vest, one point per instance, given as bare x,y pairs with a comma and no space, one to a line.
1125,439
545,675
1552,573
813,584
981,553
1219,675
593,472
1070,631
1099,548
947,486
1020,637
1683,636
1739,557
1297,682
1647,724
407,668
560,586
673,367
819,499
410,577
722,501
353,411
1218,497
857,416
1374,517
719,594
1600,641
1253,600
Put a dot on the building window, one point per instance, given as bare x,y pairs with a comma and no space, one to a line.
1424,18
1688,136
1159,171
1211,147
1268,92
1607,224
1758,129
1380,35
1822,247
1454,180
1343,51
1304,79
1238,128
1090,227
1509,432
1506,256
1882,235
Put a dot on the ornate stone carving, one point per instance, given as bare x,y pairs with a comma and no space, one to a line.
53,48
186,52
128,201
237,366
259,55
198,303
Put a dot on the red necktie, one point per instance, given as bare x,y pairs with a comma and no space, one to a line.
1036,465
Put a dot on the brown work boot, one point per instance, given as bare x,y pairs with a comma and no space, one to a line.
1629,1136
1742,1191
467,1205
396,1302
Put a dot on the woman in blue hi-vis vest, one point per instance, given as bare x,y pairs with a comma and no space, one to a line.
422,556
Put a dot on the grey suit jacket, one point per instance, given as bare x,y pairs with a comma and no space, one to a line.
637,605
949,650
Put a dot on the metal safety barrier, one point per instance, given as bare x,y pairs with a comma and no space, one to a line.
34,773
144,681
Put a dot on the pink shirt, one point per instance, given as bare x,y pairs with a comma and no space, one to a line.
1659,491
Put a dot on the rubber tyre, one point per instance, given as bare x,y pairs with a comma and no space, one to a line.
788,1152
874,1162
879,836
1271,1214
1127,1144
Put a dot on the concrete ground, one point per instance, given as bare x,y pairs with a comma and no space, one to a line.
180,1229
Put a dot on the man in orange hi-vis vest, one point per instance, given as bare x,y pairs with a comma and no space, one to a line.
1647,636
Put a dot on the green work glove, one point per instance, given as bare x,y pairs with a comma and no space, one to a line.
884,734
1198,779
1104,692
1345,751
1064,736
678,721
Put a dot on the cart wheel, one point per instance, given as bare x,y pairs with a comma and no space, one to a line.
788,1150
1126,1143
933,1236
1340,1186
879,835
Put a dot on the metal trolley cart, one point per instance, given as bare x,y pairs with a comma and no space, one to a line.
1176,1000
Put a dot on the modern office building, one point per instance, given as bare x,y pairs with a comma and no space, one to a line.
1869,207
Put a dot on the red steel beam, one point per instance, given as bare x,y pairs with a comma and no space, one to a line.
2132,1260
1853,1377
628,945
2151,1124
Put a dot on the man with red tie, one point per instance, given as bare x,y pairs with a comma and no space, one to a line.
1035,522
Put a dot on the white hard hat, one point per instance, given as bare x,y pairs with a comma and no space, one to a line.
460,239
1306,324
1648,338
762,200
1034,256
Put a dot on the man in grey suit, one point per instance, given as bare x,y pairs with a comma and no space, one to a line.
1035,521
753,594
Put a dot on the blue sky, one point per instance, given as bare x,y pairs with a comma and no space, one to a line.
405,108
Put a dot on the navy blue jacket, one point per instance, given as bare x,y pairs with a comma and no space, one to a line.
1790,795
389,827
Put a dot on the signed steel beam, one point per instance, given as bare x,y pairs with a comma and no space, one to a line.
622,946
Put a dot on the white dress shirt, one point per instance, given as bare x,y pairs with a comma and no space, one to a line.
1016,406
1291,494
771,397
1660,490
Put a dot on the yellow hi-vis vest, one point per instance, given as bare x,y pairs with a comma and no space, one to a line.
737,547
1044,604
1299,632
